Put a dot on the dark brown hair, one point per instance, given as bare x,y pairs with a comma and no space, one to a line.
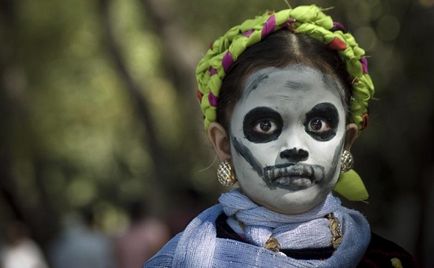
279,50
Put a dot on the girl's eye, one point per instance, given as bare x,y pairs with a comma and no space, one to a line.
318,125
265,127
262,125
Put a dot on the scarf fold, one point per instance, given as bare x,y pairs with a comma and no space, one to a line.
198,245
257,224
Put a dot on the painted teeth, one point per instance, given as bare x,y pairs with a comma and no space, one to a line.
301,182
295,176
292,171
277,172
299,176
294,181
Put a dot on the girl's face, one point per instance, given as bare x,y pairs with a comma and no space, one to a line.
287,133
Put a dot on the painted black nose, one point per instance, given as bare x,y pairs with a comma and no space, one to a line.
295,155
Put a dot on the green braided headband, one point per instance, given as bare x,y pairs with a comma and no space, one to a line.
309,20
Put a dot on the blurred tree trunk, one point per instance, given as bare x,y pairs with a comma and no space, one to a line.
179,54
17,134
158,154
7,188
8,108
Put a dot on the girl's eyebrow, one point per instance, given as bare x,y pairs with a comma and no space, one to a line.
255,82
296,85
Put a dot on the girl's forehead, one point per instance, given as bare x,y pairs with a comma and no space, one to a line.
293,72
295,83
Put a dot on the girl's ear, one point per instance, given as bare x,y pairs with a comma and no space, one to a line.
351,134
220,141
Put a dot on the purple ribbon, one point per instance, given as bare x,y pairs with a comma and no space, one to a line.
364,62
227,61
212,70
248,33
269,26
213,100
338,26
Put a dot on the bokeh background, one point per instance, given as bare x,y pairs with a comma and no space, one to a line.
98,110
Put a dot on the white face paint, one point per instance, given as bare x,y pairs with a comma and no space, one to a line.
287,135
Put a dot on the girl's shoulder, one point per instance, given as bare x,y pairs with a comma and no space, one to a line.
385,253
164,257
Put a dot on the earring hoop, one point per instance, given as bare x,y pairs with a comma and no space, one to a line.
225,174
347,161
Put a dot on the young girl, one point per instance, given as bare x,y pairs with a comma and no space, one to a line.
284,96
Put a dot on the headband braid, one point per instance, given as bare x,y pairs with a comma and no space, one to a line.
309,20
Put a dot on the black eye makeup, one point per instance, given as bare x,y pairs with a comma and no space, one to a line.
322,121
262,124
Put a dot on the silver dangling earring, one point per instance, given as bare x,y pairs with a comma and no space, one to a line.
346,161
225,174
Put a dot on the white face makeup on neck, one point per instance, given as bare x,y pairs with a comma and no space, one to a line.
287,134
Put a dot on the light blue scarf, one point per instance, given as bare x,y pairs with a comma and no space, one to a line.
198,245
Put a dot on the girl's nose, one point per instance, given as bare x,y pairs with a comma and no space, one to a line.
294,155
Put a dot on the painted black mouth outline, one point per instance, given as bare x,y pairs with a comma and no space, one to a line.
271,174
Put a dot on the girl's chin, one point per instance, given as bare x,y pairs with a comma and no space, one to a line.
297,202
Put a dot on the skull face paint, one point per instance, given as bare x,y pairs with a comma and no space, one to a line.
287,134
